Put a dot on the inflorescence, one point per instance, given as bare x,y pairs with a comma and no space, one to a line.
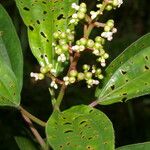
64,44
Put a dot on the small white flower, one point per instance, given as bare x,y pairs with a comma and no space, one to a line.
66,79
114,30
120,2
75,48
103,64
75,6
75,16
53,70
72,21
82,48
108,35
34,75
62,58
94,14
96,52
96,82
53,84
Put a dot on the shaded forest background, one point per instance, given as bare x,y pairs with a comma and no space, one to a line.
131,120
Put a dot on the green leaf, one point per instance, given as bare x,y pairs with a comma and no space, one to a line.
25,144
128,75
9,90
140,146
80,127
10,48
43,18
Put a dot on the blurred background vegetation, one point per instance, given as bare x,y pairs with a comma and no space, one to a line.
131,120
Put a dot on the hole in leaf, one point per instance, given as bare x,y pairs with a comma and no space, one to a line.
146,57
66,123
38,22
44,12
124,94
123,72
31,28
44,2
124,99
127,80
60,17
68,143
90,138
146,67
47,40
26,8
82,122
146,83
42,33
68,131
112,87
91,111
42,56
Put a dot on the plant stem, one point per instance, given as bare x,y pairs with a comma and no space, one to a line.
93,104
35,132
33,118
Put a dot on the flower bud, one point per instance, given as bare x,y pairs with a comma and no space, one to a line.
109,7
86,67
88,75
40,76
81,15
80,76
72,79
90,43
73,73
43,70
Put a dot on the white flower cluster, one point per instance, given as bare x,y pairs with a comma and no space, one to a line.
37,76
88,75
79,14
61,44
54,84
109,30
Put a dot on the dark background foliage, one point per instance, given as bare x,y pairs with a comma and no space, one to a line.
131,120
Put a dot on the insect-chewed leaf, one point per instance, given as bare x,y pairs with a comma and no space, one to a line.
25,144
10,48
43,18
80,128
139,146
9,90
128,75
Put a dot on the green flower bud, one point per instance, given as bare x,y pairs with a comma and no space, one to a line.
86,67
115,3
100,76
109,7
98,39
83,10
56,35
63,35
72,79
49,67
107,28
110,23
90,81
70,37
98,71
73,73
62,41
83,41
106,56
97,45
90,43
81,15
58,50
83,5
65,47
43,70
40,76
88,75
80,76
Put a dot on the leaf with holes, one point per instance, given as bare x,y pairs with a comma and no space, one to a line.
9,89
25,144
10,48
80,127
43,18
128,75
139,146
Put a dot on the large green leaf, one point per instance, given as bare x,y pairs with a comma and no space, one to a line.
10,49
128,75
80,128
25,144
140,146
43,18
9,90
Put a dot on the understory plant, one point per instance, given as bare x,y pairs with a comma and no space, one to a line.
56,44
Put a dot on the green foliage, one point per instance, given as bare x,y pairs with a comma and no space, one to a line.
12,52
25,144
80,127
11,62
43,18
128,75
140,146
